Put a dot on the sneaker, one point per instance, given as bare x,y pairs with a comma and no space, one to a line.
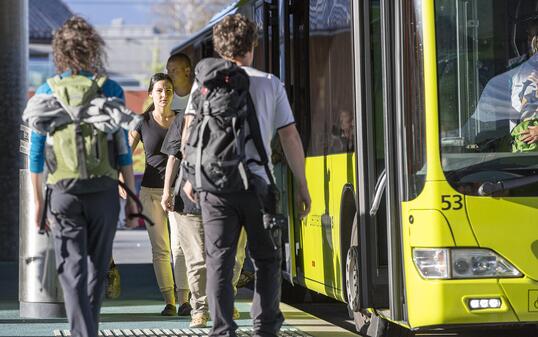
199,321
113,287
236,314
169,310
184,309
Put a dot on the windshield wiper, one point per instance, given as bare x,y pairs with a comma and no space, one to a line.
489,188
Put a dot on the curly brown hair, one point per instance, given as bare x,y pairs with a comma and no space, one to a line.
234,36
77,46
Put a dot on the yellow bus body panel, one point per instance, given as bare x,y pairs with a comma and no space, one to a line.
498,224
510,227
444,302
523,296
320,230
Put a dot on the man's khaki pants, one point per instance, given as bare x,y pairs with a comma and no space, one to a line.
188,251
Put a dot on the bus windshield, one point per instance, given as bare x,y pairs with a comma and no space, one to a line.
487,67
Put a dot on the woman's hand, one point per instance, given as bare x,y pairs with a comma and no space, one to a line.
529,136
38,214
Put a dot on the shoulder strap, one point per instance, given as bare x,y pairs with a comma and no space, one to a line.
257,138
100,80
53,82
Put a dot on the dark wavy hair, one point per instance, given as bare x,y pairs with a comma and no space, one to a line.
154,79
77,46
234,36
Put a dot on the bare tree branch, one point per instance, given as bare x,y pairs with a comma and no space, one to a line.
186,16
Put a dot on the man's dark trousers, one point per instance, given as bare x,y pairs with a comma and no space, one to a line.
223,216
83,226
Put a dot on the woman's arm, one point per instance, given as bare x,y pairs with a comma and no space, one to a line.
134,138
39,203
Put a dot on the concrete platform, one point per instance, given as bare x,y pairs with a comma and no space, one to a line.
139,307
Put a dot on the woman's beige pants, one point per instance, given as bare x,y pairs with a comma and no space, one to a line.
186,243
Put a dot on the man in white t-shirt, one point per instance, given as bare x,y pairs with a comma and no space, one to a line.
224,215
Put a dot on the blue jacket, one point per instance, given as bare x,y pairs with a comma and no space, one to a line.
37,141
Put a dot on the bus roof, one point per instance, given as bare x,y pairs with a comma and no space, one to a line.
230,9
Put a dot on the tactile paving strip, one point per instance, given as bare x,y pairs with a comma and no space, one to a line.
241,332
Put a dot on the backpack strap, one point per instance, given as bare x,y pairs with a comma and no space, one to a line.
81,152
257,139
135,198
53,82
198,164
100,80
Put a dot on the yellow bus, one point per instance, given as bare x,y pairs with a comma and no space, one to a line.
425,199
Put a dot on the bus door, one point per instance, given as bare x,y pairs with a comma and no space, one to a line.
293,18
369,235
318,54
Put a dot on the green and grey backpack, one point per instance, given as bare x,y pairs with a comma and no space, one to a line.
517,144
77,153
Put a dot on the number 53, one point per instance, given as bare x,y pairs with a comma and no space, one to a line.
454,202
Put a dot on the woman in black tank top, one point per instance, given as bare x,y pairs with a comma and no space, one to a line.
151,131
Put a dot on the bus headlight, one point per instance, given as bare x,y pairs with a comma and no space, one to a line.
432,263
475,263
457,263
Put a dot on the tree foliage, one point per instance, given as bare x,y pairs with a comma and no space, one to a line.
186,16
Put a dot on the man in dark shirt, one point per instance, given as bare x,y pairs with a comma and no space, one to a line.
189,230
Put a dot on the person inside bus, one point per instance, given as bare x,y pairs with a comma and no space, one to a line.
500,104
342,136
151,130
187,233
525,87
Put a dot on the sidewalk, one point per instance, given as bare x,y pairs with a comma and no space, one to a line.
139,305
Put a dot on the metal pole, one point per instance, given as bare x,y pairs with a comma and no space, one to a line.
13,88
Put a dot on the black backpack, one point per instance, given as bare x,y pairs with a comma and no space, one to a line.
215,150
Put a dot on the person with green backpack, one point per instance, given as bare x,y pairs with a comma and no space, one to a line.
79,124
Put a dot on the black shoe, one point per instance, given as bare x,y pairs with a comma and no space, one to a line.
169,310
244,279
184,309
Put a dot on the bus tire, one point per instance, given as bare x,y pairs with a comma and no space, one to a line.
352,278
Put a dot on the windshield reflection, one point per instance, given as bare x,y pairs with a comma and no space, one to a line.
488,91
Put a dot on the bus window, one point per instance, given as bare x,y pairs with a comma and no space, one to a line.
414,118
331,81
487,92
260,61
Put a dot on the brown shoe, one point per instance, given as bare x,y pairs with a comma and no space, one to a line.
199,320
113,287
236,314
